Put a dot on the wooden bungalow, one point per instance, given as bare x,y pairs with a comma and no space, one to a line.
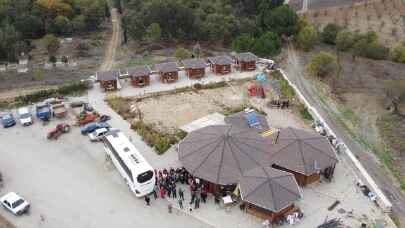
108,79
246,61
168,72
221,64
305,154
195,68
266,214
140,76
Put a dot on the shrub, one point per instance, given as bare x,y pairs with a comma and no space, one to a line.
397,54
286,90
305,114
307,37
345,40
182,53
43,94
38,74
329,33
322,64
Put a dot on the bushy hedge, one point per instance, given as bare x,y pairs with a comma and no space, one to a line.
40,95
161,142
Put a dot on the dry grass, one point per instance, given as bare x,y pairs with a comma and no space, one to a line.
385,17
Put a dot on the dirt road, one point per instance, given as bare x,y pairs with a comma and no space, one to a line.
294,71
109,57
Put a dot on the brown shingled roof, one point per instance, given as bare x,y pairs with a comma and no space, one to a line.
269,188
221,60
108,75
222,153
302,151
246,57
167,67
194,63
138,71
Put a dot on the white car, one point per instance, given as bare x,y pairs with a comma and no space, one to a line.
98,134
15,203
25,116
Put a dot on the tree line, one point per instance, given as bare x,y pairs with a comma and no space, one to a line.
262,23
24,20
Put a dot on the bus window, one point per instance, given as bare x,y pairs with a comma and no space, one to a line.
145,176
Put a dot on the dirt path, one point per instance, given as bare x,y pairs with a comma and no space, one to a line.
109,57
294,70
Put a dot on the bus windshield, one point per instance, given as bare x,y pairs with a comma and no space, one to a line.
145,176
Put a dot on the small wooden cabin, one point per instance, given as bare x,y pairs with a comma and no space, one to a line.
246,61
195,68
267,214
140,76
168,72
221,64
108,79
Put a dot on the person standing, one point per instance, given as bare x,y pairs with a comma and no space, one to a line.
174,191
162,192
181,203
192,196
181,194
155,191
169,190
197,203
147,200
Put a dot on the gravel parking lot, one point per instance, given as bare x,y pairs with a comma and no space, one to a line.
69,184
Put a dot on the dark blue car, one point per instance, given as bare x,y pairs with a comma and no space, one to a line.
90,127
7,119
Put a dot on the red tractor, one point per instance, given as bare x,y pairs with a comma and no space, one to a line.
54,133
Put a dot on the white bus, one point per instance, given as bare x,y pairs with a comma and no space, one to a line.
136,171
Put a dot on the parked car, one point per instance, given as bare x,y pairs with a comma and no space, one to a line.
98,134
90,127
25,116
7,119
43,111
15,203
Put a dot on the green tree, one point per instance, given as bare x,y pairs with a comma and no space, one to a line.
283,20
182,53
307,37
8,38
243,43
51,43
79,24
397,54
367,46
269,44
63,25
329,33
153,32
345,40
322,64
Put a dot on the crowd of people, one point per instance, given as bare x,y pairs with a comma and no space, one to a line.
167,181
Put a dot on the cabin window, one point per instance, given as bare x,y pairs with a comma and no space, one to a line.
145,176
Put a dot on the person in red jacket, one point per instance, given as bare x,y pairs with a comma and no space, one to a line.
162,192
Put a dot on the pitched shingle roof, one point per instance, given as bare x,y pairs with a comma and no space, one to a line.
138,71
167,67
194,63
221,60
246,57
108,75
302,151
269,188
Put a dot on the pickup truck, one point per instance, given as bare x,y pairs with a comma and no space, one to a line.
59,110
43,111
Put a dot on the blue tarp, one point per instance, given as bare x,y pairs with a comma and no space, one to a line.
261,77
252,118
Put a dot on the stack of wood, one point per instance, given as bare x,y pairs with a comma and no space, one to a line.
332,223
